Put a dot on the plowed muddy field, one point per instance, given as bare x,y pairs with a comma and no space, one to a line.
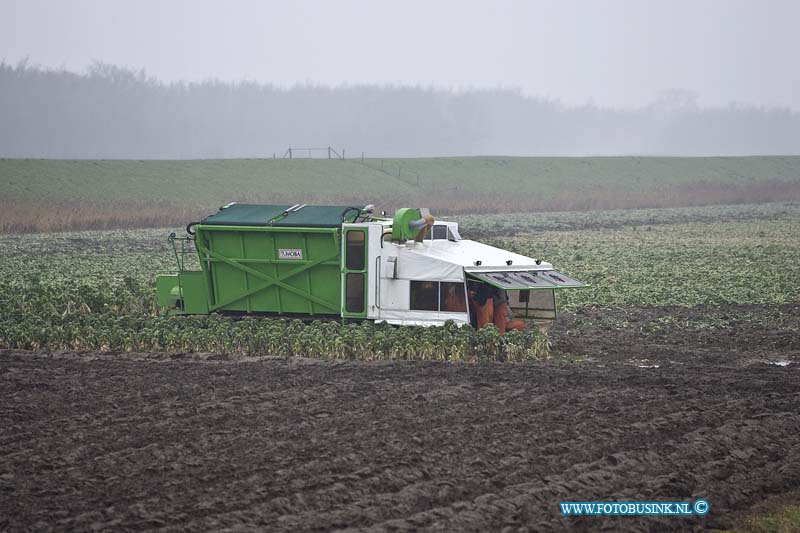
624,411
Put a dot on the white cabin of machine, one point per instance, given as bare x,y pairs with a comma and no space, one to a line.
415,270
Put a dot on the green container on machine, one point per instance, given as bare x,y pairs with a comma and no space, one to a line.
280,259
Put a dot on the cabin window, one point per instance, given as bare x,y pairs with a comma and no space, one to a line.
452,297
443,232
425,295
439,232
354,293
356,250
438,296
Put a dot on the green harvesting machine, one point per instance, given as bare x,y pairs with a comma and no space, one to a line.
345,261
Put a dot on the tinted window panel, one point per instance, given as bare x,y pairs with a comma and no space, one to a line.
452,297
440,232
424,296
355,250
354,293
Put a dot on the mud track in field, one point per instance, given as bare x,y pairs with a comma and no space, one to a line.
150,442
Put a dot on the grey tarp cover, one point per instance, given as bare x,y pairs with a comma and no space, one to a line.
310,216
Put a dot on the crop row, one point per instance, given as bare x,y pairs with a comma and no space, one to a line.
45,310
277,337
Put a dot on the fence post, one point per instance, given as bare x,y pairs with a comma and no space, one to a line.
290,153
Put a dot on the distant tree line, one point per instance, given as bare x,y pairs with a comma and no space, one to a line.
111,112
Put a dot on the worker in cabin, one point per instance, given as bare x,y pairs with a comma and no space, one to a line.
472,291
480,300
489,305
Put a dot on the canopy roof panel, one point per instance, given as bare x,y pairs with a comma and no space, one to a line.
537,279
477,257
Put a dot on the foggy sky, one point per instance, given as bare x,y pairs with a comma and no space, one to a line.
610,53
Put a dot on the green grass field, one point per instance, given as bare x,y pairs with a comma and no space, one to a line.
43,195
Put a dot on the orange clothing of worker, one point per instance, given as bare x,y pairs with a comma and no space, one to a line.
501,321
501,317
516,324
484,313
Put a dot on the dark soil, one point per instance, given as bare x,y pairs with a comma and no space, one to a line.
737,335
153,441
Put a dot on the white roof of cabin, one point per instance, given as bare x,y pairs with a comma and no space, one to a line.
465,253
